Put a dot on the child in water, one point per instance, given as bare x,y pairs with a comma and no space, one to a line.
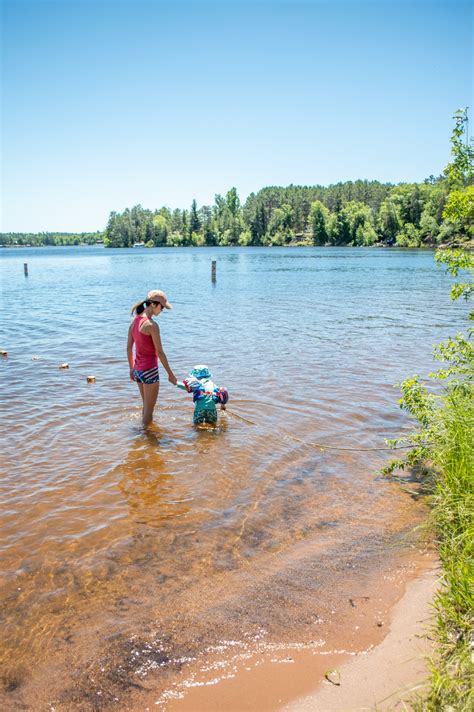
205,395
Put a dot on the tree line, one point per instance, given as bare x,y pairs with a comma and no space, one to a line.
350,213
40,239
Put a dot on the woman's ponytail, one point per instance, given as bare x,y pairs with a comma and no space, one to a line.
139,307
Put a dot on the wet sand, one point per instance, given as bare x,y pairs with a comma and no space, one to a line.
392,673
375,644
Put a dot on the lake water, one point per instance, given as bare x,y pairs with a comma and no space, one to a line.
129,557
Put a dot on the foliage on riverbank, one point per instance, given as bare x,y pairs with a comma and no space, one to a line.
40,239
352,213
443,451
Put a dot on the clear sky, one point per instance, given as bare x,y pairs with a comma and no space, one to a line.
111,103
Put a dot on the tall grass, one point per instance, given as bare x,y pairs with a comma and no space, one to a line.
452,668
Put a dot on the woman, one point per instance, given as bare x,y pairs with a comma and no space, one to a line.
145,334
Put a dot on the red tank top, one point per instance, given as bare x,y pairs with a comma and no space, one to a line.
145,354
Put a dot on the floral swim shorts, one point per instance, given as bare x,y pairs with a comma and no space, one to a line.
205,416
149,376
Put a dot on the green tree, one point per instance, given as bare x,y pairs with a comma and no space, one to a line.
113,231
279,228
220,217
389,223
194,221
360,221
258,226
340,230
160,229
318,220
460,171
235,222
409,236
184,228
176,220
459,212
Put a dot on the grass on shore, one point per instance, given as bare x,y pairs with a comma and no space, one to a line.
452,665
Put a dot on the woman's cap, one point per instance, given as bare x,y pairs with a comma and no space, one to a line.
156,295
201,371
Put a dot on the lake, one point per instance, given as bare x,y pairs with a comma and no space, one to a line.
131,557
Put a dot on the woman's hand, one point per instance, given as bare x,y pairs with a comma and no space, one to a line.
172,378
131,375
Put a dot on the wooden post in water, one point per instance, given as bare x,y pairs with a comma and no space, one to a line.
213,270
25,268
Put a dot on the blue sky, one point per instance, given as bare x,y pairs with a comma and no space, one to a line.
109,104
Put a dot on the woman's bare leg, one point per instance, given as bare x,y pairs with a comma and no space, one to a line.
150,395
140,388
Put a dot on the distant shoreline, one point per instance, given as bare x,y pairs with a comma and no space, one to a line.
224,247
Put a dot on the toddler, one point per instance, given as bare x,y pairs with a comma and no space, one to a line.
205,394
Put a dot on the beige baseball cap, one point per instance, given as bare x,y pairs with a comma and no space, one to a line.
156,295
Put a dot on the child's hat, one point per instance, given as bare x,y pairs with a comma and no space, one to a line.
201,371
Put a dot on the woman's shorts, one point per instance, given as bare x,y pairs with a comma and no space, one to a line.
149,376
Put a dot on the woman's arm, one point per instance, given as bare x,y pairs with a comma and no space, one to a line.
155,335
130,351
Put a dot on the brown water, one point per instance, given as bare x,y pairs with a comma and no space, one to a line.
130,558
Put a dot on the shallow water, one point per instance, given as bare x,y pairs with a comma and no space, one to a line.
128,555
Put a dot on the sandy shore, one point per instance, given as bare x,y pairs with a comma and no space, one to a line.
377,644
391,672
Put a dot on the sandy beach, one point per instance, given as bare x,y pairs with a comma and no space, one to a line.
392,672
377,651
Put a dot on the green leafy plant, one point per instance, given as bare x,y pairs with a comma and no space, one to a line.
443,444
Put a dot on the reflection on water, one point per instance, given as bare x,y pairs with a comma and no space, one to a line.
152,493
128,555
